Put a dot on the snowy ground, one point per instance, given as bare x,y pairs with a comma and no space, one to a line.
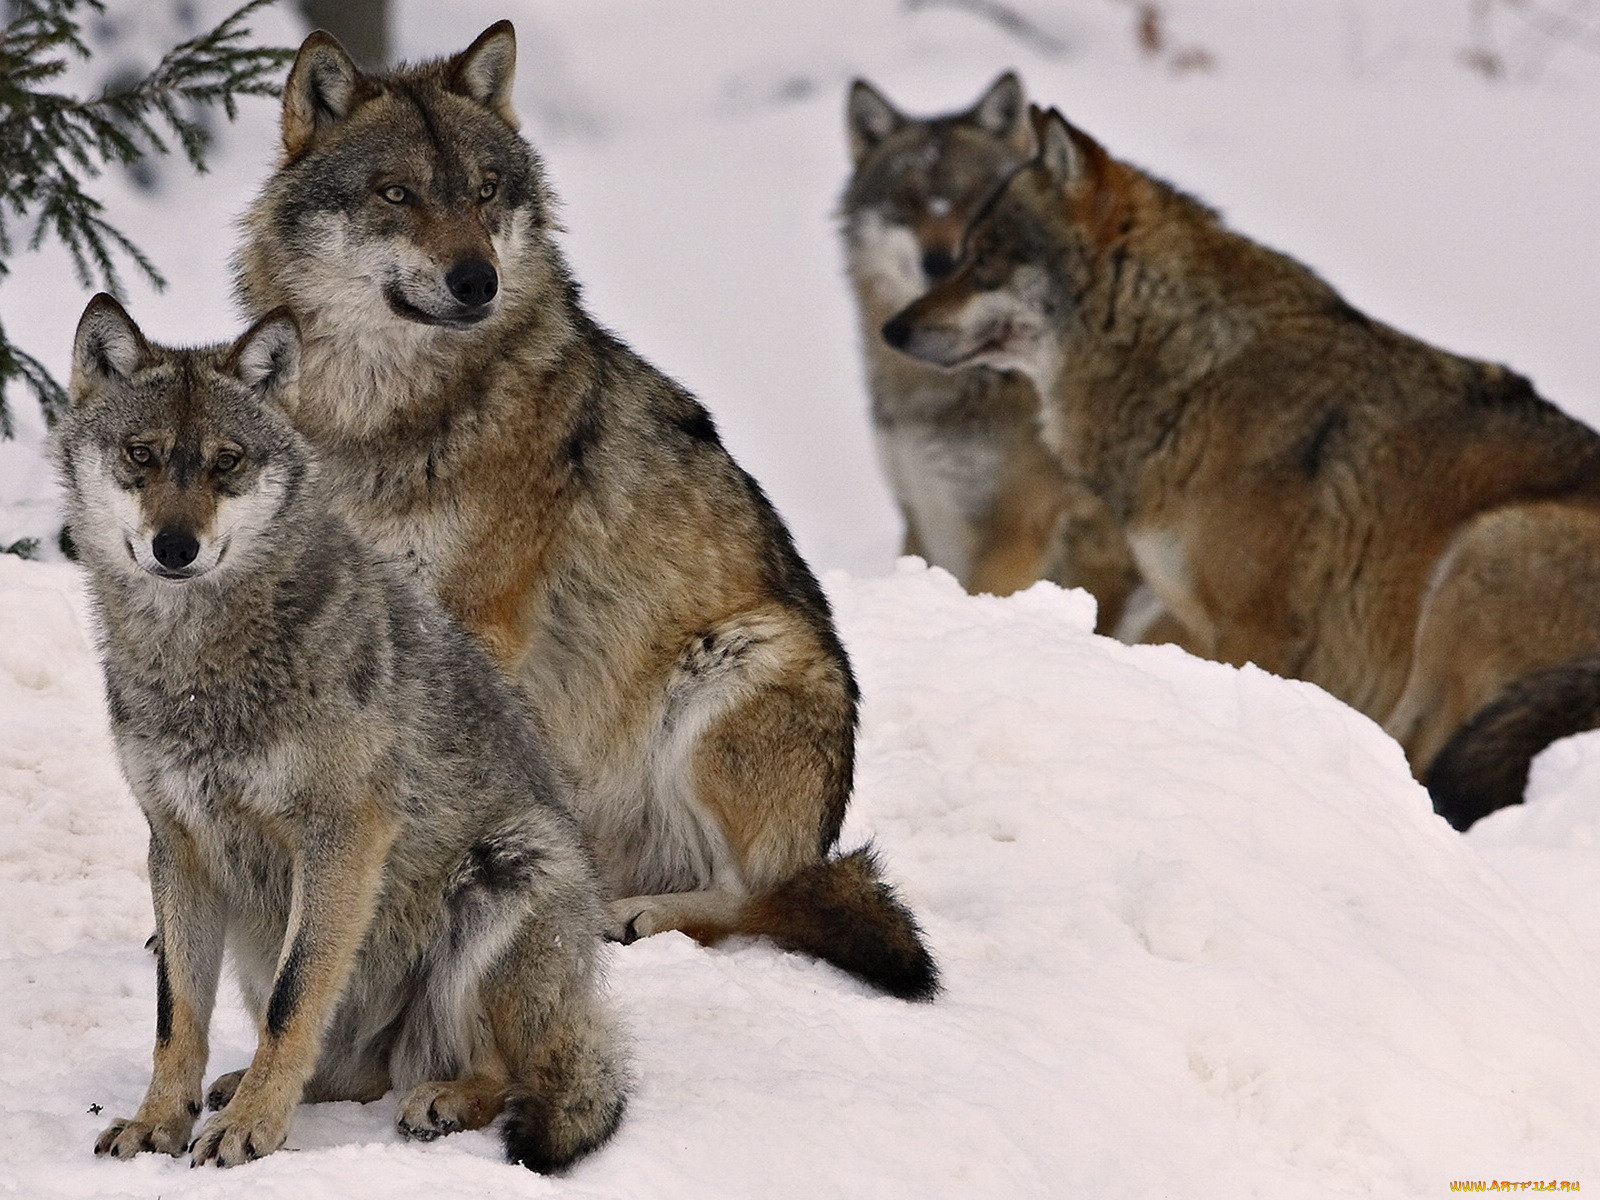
1202,935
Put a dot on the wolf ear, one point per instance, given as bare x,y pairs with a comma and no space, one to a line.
485,69
266,357
870,117
1003,111
1067,154
320,92
108,345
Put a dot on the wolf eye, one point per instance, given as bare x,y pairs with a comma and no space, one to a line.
227,461
395,194
140,455
990,268
489,188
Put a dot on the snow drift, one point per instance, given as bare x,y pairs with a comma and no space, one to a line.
1201,932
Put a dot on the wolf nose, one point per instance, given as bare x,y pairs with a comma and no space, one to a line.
472,282
936,264
897,332
174,549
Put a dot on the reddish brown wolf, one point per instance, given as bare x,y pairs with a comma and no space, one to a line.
1305,488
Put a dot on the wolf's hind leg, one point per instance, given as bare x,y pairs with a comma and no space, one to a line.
772,771
769,775
510,1016
1504,589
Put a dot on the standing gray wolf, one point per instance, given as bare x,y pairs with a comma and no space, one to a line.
980,494
571,506
339,785
1304,487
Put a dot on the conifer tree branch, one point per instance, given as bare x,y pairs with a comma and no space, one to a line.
51,142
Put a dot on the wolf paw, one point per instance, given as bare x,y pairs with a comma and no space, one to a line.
127,1137
707,916
222,1089
435,1109
231,1138
630,919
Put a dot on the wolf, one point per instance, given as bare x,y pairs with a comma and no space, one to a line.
980,494
1303,486
340,788
572,506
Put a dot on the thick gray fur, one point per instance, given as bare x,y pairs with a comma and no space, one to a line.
276,709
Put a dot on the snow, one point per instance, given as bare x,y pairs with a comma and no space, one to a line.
1201,933
1202,936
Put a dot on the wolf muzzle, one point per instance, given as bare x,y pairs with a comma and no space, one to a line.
473,282
175,549
897,331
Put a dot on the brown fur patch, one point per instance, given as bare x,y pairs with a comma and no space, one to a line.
568,503
1305,488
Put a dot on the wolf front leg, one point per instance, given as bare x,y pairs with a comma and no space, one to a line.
190,920
338,873
1018,536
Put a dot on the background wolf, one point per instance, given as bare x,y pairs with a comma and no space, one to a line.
1304,487
572,506
980,494
338,783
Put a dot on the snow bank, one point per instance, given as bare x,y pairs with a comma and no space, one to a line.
1201,933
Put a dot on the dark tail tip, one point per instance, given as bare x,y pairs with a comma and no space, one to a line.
841,911
1484,765
542,1140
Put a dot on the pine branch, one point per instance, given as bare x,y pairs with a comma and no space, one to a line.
214,68
50,143
16,364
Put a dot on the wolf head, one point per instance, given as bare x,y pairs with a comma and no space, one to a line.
918,183
175,461
401,197
1029,254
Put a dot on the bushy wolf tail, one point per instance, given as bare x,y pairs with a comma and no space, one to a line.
569,1082
1484,766
537,1137
841,911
